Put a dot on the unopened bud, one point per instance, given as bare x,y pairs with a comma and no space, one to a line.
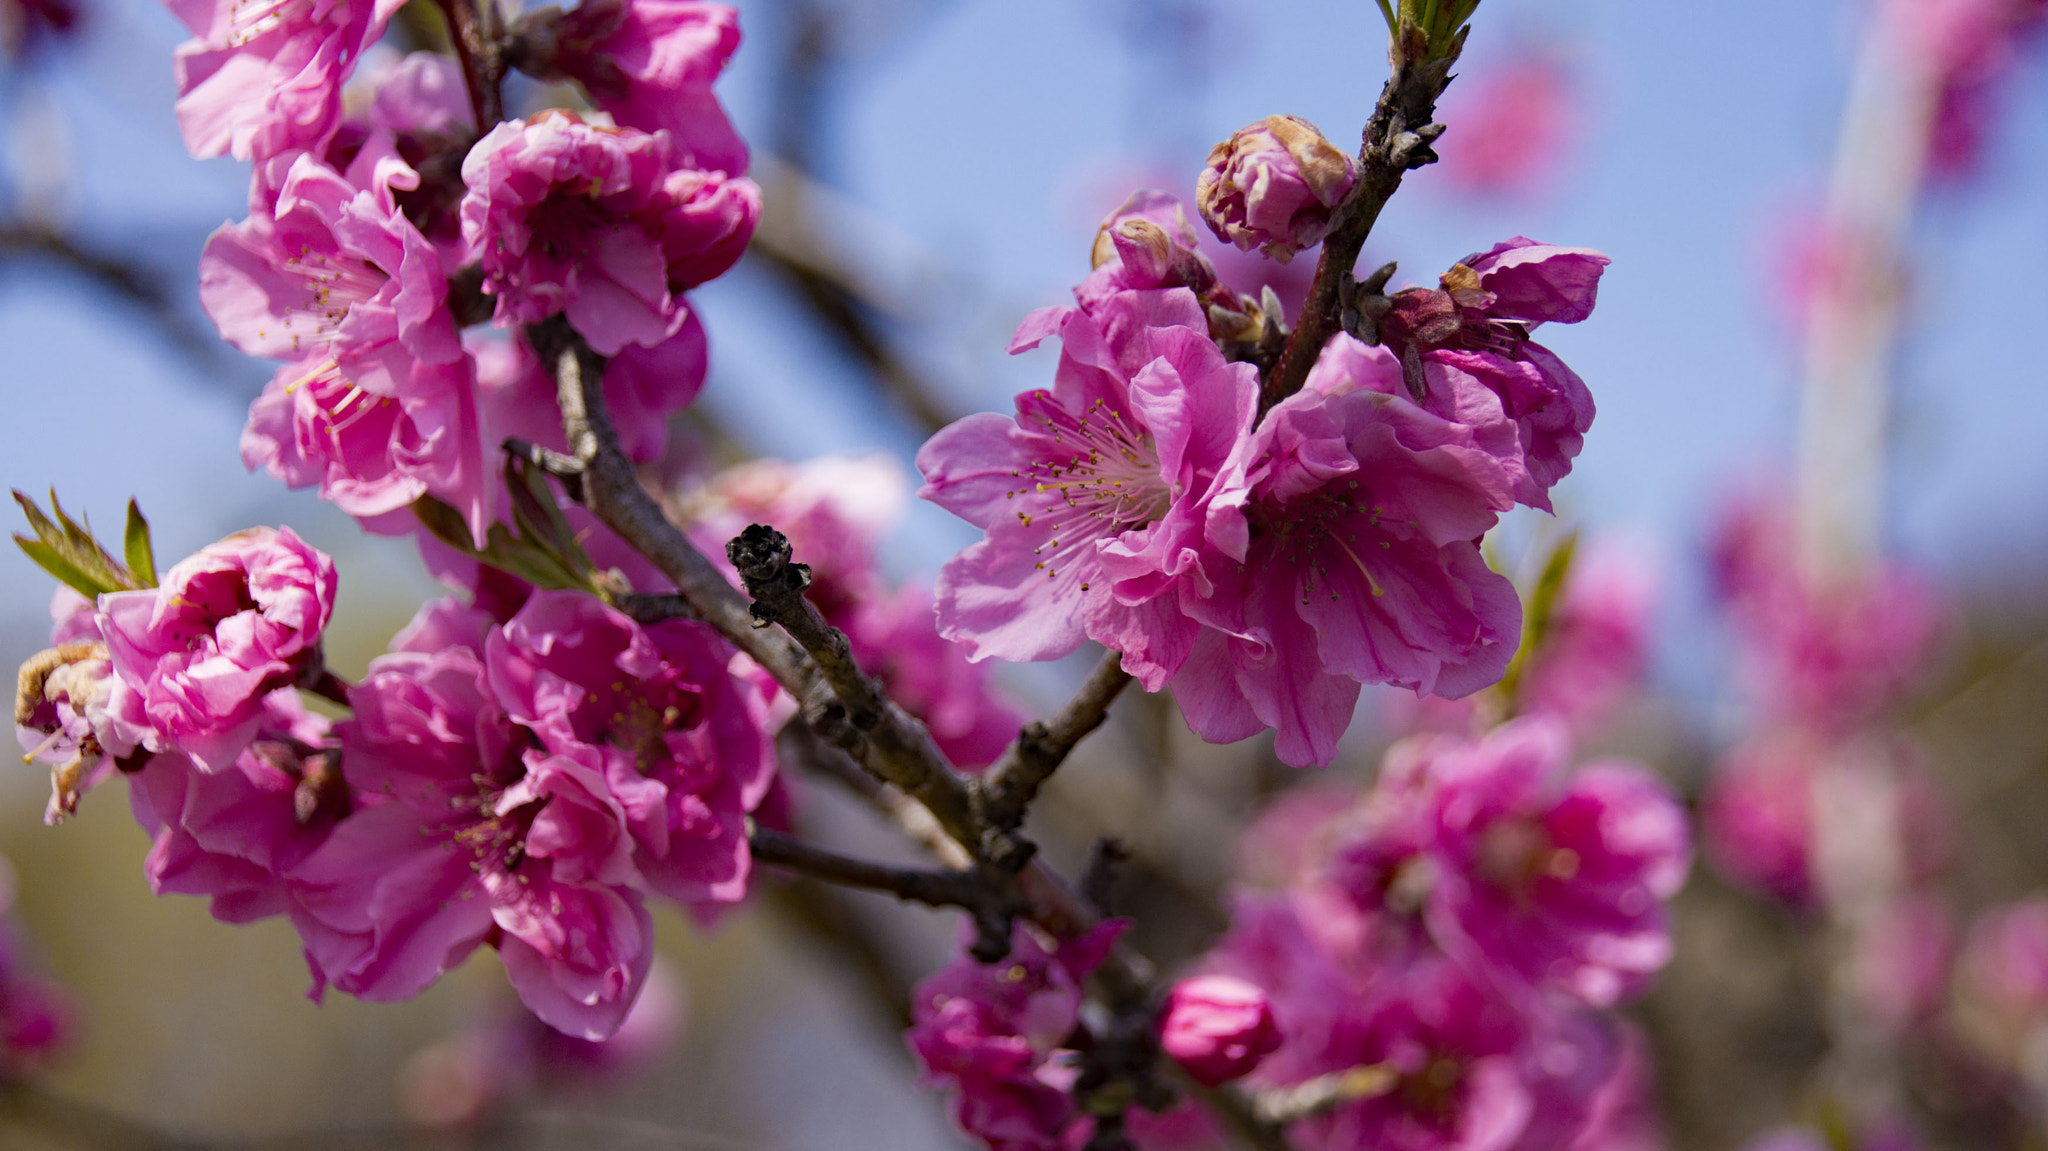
1274,185
1218,1027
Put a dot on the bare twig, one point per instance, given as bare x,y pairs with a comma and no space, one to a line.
140,286
1397,138
482,69
810,750
1042,746
933,888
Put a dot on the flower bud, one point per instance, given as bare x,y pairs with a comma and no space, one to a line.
1218,1027
1274,185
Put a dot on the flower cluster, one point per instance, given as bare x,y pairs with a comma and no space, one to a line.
1454,939
1265,565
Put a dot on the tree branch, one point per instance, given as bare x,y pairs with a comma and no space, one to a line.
1007,791
1397,138
993,905
482,69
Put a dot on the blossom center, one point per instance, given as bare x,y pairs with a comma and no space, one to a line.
1104,480
1336,524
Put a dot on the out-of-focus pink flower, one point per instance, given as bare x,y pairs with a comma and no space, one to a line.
995,1035
599,224
1477,326
1624,1113
27,25
228,626
2002,983
1092,497
1967,49
481,836
1273,185
1511,129
1829,656
1757,818
1595,649
651,64
37,1017
333,273
1347,556
1546,879
82,719
262,79
1901,960
1218,1027
673,722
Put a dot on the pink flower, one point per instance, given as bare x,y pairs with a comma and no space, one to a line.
1273,186
334,273
82,719
1827,655
1092,496
651,64
1348,556
1757,818
600,224
672,720
1511,130
1624,1112
1218,1027
372,455
1596,647
482,836
1901,961
236,835
1548,879
227,627
261,79
1477,325
995,1035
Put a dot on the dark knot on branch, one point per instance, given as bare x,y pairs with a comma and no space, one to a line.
762,557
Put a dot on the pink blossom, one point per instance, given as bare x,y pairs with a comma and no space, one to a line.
1901,960
1348,556
228,626
1511,129
1476,328
1218,1027
2005,960
82,719
262,79
37,1016
372,455
651,64
333,273
1624,1109
235,835
1830,655
482,837
1273,185
1757,818
995,1035
600,224
674,723
1967,49
1596,647
1553,880
1092,496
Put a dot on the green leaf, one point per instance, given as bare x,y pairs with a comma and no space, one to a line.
1539,613
136,546
67,550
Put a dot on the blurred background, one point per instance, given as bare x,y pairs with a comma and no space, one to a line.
935,169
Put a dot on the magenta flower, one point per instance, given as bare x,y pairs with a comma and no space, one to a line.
1477,326
651,64
1348,556
237,834
333,274
600,224
481,837
1757,818
1273,185
372,455
227,627
1218,1027
675,724
262,79
995,1034
1092,496
1597,646
1553,881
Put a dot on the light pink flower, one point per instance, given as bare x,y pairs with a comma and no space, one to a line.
651,64
1218,1027
1273,185
333,273
228,626
600,224
1348,556
994,1034
1511,129
674,722
1901,961
1092,496
261,79
1757,818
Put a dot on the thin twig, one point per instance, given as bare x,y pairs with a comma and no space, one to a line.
1397,138
810,750
1042,745
482,70
933,888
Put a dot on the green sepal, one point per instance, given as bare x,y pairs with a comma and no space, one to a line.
136,546
67,550
540,548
